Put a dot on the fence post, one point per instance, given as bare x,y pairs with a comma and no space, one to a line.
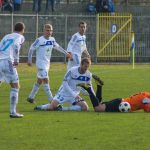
66,20
37,26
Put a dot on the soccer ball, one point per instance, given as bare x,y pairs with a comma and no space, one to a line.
124,107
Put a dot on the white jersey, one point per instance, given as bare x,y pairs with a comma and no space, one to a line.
71,80
10,46
43,49
77,44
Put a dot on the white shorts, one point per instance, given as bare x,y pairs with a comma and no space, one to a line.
42,73
62,98
75,62
8,72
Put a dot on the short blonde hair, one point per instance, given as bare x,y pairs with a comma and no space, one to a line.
48,26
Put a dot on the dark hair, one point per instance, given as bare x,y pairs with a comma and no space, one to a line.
85,60
19,26
82,22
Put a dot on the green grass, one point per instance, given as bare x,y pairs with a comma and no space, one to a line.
77,130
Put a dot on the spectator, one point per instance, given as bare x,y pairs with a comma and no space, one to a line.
17,5
91,7
47,5
8,6
105,6
36,6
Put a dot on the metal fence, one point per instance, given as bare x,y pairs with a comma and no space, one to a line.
66,25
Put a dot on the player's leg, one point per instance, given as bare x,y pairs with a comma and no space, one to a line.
40,75
99,84
11,77
34,90
48,107
47,90
77,105
89,89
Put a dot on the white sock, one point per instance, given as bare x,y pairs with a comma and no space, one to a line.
72,108
45,107
48,91
13,99
34,90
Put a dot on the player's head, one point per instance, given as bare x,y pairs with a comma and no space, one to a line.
85,64
19,27
48,30
82,27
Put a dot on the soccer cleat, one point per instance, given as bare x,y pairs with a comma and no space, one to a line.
30,100
16,115
84,85
39,108
97,80
59,107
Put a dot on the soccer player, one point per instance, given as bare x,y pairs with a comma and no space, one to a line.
69,91
137,101
43,47
77,45
9,58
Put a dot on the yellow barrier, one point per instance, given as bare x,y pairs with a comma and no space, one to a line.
113,37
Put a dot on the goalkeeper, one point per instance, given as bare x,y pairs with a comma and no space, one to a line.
138,101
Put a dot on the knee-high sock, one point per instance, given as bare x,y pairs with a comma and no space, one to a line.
48,91
99,93
34,90
93,98
13,99
45,107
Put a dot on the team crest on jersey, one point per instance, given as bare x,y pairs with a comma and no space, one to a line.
83,78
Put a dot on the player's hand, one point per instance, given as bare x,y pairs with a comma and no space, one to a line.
78,98
29,63
71,57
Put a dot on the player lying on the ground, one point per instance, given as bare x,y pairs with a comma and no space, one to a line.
135,102
69,92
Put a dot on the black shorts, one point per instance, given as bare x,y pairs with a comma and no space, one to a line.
113,105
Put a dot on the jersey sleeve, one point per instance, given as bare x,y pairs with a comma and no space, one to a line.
17,46
32,48
59,48
71,43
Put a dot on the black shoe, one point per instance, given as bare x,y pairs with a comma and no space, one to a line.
16,115
30,100
39,108
59,108
97,80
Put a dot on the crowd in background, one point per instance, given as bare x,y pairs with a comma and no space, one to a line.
93,6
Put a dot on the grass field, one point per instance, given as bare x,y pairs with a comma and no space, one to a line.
77,130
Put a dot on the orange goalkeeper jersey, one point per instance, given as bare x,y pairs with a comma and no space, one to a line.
136,101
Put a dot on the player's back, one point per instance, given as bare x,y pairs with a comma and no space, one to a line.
136,101
7,45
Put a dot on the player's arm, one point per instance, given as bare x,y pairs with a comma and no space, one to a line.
17,45
71,44
66,85
16,54
32,48
60,49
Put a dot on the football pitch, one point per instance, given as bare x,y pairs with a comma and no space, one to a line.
58,130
